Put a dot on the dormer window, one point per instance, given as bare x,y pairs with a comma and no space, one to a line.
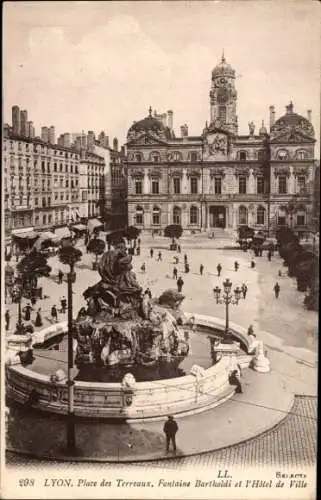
193,156
301,155
242,155
260,155
282,154
138,157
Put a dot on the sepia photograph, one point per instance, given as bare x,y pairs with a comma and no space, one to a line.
160,249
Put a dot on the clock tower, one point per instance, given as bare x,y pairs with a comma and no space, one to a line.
223,97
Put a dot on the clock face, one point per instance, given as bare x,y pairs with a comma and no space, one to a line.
222,95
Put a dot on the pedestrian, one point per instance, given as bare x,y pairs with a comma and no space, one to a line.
159,256
63,302
148,292
277,289
143,267
252,264
138,250
151,253
54,313
186,267
179,248
185,258
280,273
139,241
201,269
7,318
244,290
27,310
234,379
170,430
219,269
250,331
236,265
176,259
180,284
33,297
269,255
38,321
175,273
60,276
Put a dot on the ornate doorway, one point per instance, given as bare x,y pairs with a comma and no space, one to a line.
217,215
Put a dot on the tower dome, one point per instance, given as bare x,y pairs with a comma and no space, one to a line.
223,69
291,122
149,124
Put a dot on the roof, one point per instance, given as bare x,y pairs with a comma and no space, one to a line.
292,121
149,123
223,69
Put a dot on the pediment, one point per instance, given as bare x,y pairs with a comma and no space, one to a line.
291,137
145,140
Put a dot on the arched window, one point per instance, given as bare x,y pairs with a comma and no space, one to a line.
193,215
260,154
139,216
242,155
193,156
156,215
282,154
138,157
260,215
177,215
282,216
242,215
301,218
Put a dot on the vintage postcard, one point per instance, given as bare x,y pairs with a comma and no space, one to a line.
160,249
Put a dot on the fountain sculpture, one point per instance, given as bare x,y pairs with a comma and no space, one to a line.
124,328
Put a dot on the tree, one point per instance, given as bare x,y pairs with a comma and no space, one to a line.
173,231
131,233
305,274
31,267
69,255
97,247
285,235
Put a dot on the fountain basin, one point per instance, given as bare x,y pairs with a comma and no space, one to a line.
143,400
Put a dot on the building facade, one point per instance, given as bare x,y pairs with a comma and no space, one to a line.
220,178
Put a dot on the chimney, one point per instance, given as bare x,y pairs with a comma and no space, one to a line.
106,141
66,140
45,134
170,119
52,135
23,122
90,138
272,116
16,120
309,112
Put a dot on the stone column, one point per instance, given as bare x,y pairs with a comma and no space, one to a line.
251,182
145,184
291,182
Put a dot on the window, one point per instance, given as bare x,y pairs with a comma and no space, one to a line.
194,185
177,185
242,184
60,167
301,182
155,187
260,184
37,220
55,167
49,201
193,156
281,217
67,183
61,196
301,155
282,154
61,182
43,202
242,215
156,215
61,216
44,219
72,169
193,215
218,185
222,113
138,157
138,187
49,219
139,217
36,202
282,184
176,215
155,159
260,215
300,219
260,155
177,156
66,168
56,196
242,155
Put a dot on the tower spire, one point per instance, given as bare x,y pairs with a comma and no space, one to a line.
150,111
223,57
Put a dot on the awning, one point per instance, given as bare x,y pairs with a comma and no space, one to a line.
93,223
79,227
46,236
26,235
62,232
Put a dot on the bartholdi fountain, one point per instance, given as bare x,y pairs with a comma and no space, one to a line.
127,350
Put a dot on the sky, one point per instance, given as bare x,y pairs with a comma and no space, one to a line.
90,65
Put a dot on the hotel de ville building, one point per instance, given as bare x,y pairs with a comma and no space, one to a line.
221,179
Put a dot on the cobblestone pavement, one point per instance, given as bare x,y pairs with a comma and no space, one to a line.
292,443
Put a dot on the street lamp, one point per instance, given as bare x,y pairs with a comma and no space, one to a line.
18,291
228,297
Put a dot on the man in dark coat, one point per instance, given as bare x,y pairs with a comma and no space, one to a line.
27,311
180,284
201,269
219,269
170,430
7,318
60,276
63,302
244,290
175,273
54,313
277,289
